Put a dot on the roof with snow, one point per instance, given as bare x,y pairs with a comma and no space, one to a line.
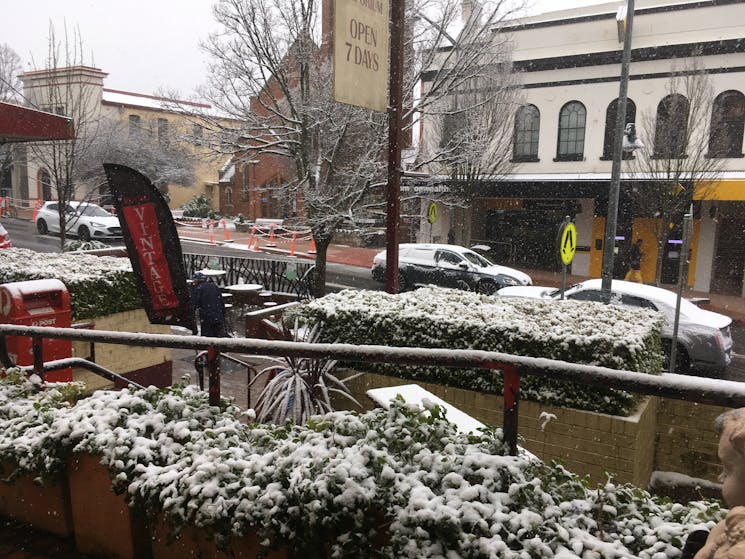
130,99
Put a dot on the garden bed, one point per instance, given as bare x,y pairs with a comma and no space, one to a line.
432,317
395,483
98,285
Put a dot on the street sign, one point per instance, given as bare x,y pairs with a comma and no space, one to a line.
361,53
568,242
432,212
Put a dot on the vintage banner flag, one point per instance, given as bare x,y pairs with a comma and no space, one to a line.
153,246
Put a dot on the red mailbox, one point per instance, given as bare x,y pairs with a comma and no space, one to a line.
43,302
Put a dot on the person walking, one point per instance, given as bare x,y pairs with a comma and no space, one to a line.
208,301
635,262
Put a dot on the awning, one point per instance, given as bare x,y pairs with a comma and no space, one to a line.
21,124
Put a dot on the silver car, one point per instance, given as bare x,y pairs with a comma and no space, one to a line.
704,337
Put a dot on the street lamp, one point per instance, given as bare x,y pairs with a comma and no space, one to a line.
615,180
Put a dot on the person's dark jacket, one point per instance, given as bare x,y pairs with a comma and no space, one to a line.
635,257
207,299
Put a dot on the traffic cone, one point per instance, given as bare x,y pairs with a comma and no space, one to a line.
312,246
292,244
271,236
212,232
254,247
251,238
225,229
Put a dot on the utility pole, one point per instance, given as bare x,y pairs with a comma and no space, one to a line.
611,219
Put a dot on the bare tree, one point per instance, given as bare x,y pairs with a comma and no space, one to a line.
678,163
10,69
272,53
65,93
10,91
164,160
272,75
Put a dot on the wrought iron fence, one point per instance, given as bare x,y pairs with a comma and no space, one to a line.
284,276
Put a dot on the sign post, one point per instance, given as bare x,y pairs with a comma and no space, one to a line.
361,53
567,248
368,63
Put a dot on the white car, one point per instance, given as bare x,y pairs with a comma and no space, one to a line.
84,220
448,266
704,337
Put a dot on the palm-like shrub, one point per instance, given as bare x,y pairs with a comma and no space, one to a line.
299,387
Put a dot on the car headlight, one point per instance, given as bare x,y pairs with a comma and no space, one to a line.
96,224
507,280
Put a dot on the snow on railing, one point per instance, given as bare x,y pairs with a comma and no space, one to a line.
695,389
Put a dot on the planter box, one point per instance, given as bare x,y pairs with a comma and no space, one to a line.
146,365
193,542
587,443
46,507
104,524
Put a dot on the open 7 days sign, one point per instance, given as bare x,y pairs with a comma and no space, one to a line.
361,53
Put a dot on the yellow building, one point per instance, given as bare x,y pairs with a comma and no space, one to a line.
79,92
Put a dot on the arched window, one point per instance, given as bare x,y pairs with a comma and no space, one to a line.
610,126
527,128
45,179
671,129
228,196
571,145
727,119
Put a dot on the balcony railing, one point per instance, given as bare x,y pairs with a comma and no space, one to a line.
723,393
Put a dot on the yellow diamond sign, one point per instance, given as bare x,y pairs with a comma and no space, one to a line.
568,243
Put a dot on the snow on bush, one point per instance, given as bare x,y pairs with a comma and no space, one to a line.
98,285
403,480
573,331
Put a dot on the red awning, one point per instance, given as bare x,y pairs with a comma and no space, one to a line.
21,124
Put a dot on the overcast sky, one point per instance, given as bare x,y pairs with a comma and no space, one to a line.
144,45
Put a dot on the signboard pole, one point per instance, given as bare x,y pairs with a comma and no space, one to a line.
393,190
682,279
567,246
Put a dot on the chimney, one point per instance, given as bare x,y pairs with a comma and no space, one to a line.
327,27
466,9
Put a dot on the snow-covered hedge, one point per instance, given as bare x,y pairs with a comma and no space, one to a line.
573,331
98,285
341,479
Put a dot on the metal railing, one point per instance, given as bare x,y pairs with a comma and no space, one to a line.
721,392
285,276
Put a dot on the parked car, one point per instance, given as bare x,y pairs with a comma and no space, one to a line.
4,238
84,220
448,266
704,337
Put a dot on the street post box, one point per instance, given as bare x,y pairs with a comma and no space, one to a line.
44,302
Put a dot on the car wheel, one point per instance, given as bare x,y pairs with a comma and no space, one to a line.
41,227
84,233
402,283
682,361
486,287
462,284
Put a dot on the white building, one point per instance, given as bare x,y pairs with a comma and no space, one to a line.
570,65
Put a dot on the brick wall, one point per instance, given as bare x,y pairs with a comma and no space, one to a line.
121,359
686,439
663,435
